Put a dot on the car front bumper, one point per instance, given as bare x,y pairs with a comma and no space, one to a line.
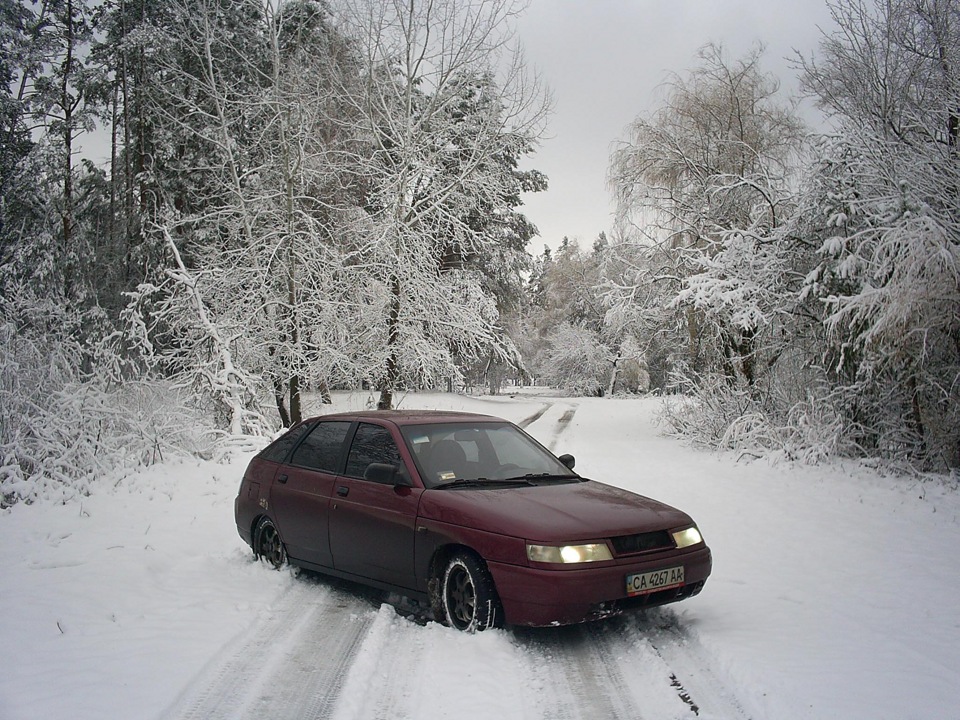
540,597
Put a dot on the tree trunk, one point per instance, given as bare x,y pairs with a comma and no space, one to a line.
324,392
386,399
393,338
278,393
613,376
295,362
67,107
915,419
693,335
296,409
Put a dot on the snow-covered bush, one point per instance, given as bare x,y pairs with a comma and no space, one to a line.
577,361
717,413
69,419
705,407
86,433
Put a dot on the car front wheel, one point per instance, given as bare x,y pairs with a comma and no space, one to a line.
267,544
469,598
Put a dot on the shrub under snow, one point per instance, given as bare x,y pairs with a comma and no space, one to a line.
722,414
62,432
84,434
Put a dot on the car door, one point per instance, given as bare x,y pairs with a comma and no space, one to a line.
372,524
300,494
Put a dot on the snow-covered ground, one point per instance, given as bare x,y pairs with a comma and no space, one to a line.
835,594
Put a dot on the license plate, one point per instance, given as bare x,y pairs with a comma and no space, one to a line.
648,582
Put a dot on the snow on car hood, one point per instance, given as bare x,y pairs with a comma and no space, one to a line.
553,512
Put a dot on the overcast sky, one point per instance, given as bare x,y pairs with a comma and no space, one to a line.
605,62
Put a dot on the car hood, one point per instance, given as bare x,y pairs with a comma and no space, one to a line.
563,512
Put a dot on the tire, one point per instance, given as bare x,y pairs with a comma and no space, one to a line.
468,596
267,545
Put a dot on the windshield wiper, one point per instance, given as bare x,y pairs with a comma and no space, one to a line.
479,482
530,477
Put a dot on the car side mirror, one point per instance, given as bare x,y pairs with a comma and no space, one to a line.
387,474
568,460
402,478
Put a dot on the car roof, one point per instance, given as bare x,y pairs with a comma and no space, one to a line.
411,417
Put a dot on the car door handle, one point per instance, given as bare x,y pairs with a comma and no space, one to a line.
343,491
282,479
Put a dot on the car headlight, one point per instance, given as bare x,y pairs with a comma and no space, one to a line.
568,554
688,537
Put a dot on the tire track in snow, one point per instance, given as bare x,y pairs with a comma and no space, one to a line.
406,671
231,672
577,678
527,421
637,667
693,678
310,675
326,652
289,665
551,427
562,424
550,694
378,684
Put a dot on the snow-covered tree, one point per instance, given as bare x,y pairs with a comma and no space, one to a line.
701,185
448,111
885,192
576,361
253,112
567,315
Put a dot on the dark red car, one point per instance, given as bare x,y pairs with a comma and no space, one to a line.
466,512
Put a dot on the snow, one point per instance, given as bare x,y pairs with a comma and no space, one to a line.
834,592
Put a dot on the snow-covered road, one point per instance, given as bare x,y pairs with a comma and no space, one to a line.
833,596
291,663
324,652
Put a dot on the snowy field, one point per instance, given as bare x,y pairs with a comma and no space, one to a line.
835,594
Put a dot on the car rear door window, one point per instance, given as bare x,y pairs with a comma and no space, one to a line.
322,449
371,444
278,450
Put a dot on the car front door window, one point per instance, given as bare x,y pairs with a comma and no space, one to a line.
371,444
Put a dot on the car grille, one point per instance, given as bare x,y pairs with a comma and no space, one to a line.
642,542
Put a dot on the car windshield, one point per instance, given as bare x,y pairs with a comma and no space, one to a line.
491,452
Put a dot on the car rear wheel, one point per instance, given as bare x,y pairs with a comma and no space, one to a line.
469,599
267,544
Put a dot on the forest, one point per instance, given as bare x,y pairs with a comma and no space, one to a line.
211,208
